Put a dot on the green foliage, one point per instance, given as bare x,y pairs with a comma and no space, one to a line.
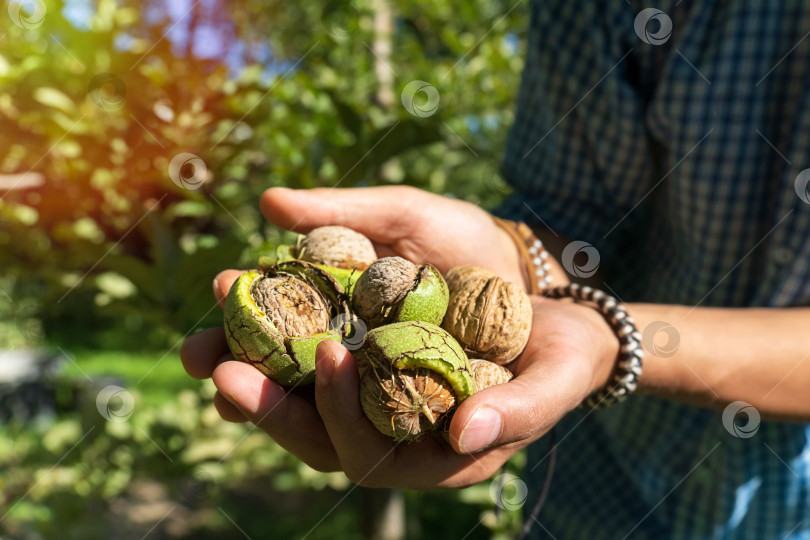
178,448
103,248
97,479
102,122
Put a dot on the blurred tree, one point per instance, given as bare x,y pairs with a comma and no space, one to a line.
263,94
137,136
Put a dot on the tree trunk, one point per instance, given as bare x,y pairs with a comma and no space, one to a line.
383,514
383,33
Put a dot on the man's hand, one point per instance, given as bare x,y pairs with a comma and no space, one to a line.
570,353
402,221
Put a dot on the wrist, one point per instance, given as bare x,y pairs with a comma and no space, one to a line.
511,257
606,351
623,380
538,269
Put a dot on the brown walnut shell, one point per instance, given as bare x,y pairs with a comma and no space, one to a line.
404,404
384,285
295,307
488,374
336,246
394,289
491,318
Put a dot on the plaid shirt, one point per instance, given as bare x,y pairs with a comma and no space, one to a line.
677,157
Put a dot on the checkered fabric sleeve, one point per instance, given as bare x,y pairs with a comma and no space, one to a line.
675,140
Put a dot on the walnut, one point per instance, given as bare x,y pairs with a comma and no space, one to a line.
412,376
275,317
491,318
488,374
394,289
336,246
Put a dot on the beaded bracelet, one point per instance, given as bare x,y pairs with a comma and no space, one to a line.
532,253
628,367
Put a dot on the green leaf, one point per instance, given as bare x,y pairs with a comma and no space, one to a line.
54,98
146,278
350,119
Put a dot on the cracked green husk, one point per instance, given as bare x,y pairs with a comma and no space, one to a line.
254,338
413,374
346,278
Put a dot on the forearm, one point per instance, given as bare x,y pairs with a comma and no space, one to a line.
716,356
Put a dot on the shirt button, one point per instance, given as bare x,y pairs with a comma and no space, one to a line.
782,255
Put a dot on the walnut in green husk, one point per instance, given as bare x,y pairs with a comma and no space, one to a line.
412,375
394,289
275,317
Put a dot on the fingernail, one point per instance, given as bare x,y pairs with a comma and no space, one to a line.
215,285
480,431
326,364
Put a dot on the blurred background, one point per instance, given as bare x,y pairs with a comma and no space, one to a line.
135,140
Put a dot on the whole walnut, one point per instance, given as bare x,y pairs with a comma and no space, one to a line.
491,318
336,246
488,374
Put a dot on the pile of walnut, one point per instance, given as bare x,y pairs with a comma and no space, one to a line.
423,342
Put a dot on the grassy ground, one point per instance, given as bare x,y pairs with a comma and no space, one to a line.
158,378
82,476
